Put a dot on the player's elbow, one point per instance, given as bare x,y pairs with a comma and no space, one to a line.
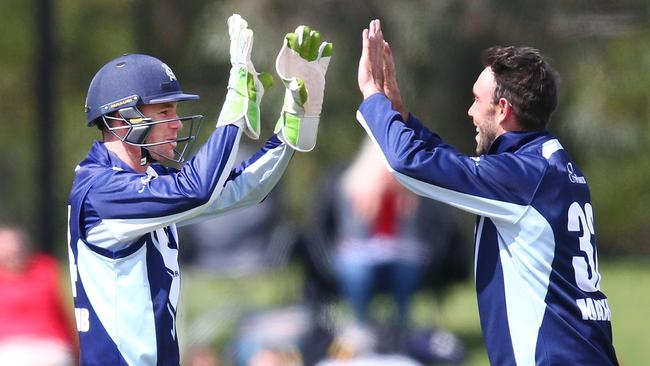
396,164
196,194
200,198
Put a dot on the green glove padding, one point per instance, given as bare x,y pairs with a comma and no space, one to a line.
302,64
245,85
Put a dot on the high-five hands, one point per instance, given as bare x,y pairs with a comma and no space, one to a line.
377,68
301,64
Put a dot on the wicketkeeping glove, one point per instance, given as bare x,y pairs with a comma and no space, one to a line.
245,85
302,64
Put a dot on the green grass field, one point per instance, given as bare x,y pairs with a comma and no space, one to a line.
626,282
211,307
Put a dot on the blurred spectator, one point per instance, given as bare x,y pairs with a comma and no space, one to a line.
367,232
240,244
377,242
370,235
273,337
201,355
35,328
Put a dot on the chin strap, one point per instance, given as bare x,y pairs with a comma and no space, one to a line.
145,157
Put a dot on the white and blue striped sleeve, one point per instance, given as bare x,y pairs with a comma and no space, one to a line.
251,181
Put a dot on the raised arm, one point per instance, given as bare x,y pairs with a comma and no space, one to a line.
420,160
129,205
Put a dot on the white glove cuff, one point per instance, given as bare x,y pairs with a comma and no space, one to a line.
308,134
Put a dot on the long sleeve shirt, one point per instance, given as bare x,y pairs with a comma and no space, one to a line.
535,263
123,243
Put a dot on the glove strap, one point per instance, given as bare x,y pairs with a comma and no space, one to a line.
293,127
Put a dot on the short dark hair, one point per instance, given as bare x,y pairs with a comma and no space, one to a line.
100,124
525,79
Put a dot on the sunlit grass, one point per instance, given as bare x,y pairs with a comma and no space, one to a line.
627,285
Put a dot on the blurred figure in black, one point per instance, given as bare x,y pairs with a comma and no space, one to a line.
239,245
370,236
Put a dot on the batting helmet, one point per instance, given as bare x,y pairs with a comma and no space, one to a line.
130,81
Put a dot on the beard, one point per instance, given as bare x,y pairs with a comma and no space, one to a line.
487,133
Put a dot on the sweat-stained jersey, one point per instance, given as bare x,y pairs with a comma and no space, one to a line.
123,244
536,267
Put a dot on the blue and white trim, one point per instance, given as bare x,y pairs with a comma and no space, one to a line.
534,274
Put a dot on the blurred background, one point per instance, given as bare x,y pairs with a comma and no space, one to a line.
51,50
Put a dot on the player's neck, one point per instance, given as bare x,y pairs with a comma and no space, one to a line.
129,154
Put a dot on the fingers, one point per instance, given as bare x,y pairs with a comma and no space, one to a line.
246,42
302,32
241,40
292,41
308,43
307,39
366,41
375,28
236,24
389,64
314,44
390,87
371,64
375,39
376,36
326,49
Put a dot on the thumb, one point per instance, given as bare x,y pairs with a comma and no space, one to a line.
266,79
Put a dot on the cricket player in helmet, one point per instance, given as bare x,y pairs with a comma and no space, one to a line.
124,207
125,86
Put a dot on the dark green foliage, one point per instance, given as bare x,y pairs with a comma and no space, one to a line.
599,48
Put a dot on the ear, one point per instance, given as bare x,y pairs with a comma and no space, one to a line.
505,113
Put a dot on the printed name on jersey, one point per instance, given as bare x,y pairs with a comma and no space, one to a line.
594,309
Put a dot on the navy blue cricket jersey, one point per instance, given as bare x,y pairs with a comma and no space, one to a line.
535,263
123,244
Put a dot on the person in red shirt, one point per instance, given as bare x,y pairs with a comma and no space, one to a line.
36,329
378,244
